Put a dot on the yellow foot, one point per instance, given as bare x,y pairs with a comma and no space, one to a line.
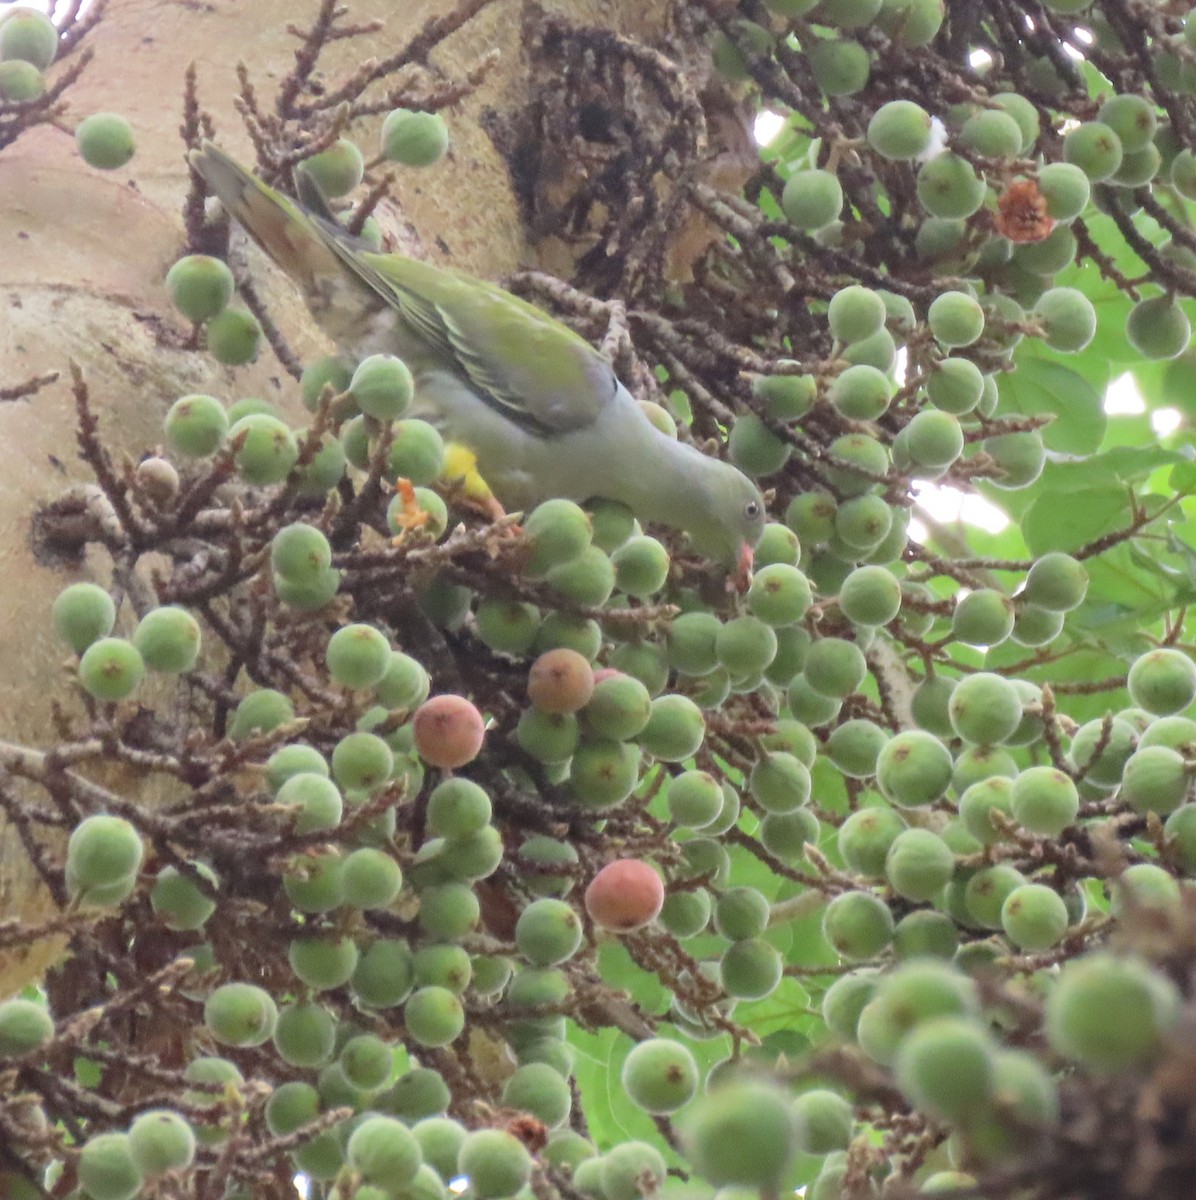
489,507
472,492
410,516
466,485
496,513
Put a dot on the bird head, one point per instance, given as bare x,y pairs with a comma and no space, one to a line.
728,526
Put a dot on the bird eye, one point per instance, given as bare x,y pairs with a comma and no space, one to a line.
751,510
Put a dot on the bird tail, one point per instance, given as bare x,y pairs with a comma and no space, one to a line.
294,238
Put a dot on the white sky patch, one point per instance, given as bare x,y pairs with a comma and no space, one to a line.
768,125
458,1185
901,366
948,504
302,1186
1165,421
980,60
937,143
1123,397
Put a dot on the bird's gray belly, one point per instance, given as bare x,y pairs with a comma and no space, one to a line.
520,468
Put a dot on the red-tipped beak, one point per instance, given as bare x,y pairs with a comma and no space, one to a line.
743,567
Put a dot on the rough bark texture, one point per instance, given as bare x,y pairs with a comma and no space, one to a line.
83,254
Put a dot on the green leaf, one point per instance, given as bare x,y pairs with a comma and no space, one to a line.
1116,579
784,1012
1185,574
597,1065
788,1042
829,786
770,206
1005,543
1085,667
616,968
788,147
1040,386
88,1072
1183,477
598,1068
1125,464
748,871
1060,520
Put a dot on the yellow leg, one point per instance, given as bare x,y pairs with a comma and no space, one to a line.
468,487
484,502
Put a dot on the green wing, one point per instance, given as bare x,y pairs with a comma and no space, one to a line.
533,370
536,372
